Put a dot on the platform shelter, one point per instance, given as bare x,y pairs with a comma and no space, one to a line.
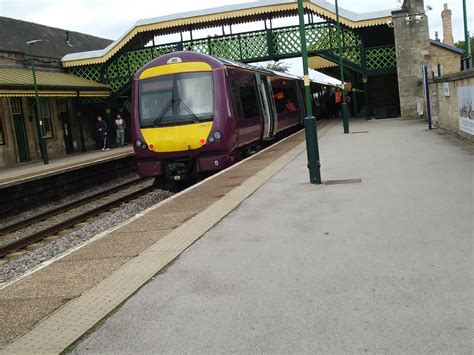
368,47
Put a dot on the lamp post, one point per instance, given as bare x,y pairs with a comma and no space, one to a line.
314,165
40,128
345,115
467,40
366,97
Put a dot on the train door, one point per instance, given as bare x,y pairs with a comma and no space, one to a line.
20,131
272,105
267,113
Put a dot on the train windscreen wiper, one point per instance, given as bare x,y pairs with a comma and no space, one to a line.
165,110
194,117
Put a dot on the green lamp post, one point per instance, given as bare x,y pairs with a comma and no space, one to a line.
345,113
314,165
40,127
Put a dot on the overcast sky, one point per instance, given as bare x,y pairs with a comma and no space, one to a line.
112,18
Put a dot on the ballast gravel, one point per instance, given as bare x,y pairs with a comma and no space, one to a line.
17,267
66,200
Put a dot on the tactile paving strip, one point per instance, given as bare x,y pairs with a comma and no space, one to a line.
69,323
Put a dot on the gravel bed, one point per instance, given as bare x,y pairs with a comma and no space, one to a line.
42,225
68,199
17,267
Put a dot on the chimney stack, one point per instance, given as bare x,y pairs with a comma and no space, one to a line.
447,26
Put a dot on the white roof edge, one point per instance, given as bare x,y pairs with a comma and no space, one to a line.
227,8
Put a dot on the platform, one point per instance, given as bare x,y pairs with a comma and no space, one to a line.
282,266
26,172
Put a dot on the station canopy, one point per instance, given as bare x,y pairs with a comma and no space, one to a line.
222,16
19,82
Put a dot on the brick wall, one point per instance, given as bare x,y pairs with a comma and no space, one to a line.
445,109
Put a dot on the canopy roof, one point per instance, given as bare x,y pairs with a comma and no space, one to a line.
19,82
224,15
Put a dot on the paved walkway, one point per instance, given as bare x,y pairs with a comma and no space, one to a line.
385,265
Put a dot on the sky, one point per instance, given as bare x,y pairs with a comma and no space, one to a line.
112,18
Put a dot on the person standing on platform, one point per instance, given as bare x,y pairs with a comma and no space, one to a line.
120,130
102,133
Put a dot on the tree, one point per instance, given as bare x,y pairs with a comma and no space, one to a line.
460,44
277,66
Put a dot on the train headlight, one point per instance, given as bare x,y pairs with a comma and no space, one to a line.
217,135
140,144
211,139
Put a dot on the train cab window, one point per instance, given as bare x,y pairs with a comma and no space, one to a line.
176,99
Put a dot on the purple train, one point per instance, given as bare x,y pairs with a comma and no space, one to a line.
194,113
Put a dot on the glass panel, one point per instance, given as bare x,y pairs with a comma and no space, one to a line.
16,105
2,138
176,99
46,118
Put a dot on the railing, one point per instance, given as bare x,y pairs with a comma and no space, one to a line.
254,46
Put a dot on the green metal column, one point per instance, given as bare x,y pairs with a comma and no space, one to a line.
467,40
311,130
40,128
345,115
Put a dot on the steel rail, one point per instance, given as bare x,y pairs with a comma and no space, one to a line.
42,216
37,236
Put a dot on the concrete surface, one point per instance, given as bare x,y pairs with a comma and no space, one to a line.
101,275
384,266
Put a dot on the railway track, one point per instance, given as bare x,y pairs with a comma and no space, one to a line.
20,235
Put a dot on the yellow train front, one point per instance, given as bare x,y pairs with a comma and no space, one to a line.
193,113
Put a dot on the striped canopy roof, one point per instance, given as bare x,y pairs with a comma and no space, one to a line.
231,14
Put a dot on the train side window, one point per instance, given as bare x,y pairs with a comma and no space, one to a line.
286,98
249,101
236,99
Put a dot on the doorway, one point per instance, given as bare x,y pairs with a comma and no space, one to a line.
20,131
64,118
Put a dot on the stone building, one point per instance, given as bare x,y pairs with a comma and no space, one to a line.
59,91
446,55
415,49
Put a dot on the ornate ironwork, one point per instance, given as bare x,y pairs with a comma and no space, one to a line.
380,58
271,44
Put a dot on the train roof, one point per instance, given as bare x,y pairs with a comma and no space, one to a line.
257,68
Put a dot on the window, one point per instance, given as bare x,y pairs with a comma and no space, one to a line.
176,99
16,105
244,93
285,96
2,137
46,118
248,96
61,105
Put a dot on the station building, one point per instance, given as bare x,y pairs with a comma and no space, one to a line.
65,131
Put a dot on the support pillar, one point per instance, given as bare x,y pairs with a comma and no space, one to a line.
412,45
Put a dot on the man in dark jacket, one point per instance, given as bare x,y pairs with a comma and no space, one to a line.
102,133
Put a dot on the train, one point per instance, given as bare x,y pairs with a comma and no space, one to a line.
193,113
